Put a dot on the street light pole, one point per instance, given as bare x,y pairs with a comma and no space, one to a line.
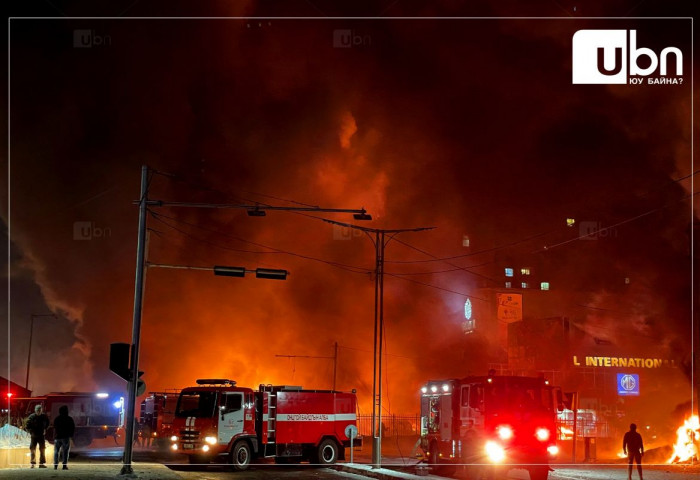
380,242
31,334
136,326
144,203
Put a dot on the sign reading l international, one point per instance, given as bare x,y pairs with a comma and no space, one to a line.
625,362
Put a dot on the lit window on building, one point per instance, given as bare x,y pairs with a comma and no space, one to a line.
544,286
524,271
465,241
523,285
508,285
509,272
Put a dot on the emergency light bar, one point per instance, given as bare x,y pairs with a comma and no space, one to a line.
215,381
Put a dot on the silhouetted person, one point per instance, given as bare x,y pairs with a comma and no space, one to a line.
36,425
64,429
633,447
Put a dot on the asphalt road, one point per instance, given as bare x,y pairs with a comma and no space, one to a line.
109,458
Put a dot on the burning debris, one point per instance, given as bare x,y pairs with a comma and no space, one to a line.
687,440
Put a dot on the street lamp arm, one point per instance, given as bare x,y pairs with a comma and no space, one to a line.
164,203
377,230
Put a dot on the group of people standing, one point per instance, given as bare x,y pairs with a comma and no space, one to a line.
64,429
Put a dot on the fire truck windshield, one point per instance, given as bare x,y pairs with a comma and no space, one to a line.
196,404
517,397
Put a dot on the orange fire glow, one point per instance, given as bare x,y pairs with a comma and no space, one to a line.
687,438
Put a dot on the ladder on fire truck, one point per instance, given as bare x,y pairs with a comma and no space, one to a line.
270,448
272,414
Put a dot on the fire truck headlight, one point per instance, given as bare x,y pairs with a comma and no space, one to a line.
553,450
504,432
542,434
445,388
173,438
424,389
205,448
433,388
495,452
174,446
210,440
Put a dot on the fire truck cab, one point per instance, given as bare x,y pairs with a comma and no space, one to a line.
218,419
497,422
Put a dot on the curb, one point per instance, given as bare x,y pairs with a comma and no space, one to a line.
382,473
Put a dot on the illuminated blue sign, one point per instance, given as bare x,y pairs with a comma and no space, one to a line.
627,384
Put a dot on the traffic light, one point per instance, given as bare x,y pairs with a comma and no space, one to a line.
119,359
119,363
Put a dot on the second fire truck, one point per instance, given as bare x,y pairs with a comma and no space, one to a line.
490,423
219,420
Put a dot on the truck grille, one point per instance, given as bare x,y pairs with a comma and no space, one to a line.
189,435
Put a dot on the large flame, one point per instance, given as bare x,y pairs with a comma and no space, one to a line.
687,438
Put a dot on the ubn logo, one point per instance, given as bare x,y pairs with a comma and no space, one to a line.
350,38
602,56
88,39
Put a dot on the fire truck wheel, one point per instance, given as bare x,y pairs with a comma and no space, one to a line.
539,473
240,456
327,452
433,455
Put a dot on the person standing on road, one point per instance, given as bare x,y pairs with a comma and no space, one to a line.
633,446
36,425
64,429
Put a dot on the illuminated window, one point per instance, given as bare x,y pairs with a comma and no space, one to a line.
509,272
525,271
465,241
523,285
544,286
508,285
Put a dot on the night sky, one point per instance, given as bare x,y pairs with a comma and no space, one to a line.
471,126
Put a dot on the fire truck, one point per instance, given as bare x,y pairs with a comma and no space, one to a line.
156,417
96,415
490,424
219,420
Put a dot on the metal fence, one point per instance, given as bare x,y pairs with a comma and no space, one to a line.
409,425
392,425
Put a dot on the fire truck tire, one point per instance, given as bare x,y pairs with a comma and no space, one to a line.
82,440
433,454
240,456
327,452
539,473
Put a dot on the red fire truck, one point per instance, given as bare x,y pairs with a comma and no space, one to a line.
218,419
156,417
96,415
490,423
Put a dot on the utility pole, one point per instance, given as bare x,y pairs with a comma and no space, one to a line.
143,203
380,242
334,358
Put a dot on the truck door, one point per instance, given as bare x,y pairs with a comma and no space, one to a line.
230,416
465,417
476,406
446,417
